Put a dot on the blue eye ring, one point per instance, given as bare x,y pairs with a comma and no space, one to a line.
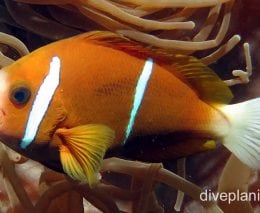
20,95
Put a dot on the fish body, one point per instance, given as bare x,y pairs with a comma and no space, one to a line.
101,91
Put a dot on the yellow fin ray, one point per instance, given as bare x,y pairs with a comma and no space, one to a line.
209,87
69,163
84,149
210,144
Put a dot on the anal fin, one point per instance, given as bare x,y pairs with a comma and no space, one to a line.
157,148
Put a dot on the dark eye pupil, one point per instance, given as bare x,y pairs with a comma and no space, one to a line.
20,95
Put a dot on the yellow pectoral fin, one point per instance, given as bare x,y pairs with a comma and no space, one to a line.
84,149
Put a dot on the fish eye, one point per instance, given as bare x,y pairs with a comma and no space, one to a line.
20,95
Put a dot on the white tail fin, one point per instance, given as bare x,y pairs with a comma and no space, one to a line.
243,138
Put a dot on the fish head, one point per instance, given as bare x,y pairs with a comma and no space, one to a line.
30,104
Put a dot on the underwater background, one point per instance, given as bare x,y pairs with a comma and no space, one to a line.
37,25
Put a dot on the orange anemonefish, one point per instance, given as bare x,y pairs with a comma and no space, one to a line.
67,103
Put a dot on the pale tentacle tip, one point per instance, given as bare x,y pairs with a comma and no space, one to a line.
192,24
242,75
246,45
237,37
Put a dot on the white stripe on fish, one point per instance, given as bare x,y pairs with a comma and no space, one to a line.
41,102
139,94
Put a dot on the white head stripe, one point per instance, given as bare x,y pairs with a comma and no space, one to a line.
41,102
139,94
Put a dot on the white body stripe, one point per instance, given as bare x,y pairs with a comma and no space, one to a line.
41,102
139,94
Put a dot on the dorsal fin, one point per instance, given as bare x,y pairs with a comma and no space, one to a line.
209,87
119,42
